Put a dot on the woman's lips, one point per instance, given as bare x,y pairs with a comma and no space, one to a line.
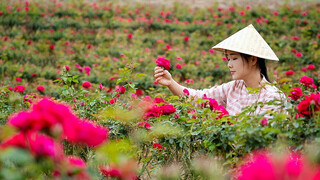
232,72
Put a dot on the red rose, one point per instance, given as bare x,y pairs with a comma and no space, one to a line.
162,62
306,80
18,79
264,122
296,93
19,88
303,107
178,66
139,92
145,125
154,111
112,101
158,147
86,84
311,67
110,172
158,100
121,90
52,47
40,88
289,73
67,67
189,81
168,109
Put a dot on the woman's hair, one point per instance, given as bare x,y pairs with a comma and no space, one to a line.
261,63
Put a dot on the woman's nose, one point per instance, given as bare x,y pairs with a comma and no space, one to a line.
229,64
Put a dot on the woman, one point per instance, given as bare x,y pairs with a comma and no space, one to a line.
246,52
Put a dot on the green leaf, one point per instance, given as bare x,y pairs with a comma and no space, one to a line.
196,132
16,156
295,124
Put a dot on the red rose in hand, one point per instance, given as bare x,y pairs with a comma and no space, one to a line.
162,62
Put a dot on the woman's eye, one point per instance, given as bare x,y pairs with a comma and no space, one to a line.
234,58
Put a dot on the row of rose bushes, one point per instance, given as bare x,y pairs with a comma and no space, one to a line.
173,130
101,48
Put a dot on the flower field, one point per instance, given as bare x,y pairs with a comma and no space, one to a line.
79,101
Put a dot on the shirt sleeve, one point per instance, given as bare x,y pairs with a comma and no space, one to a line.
219,93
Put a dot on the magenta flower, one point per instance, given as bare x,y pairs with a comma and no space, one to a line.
260,167
19,88
86,84
145,125
186,92
264,121
296,93
17,140
41,145
121,90
168,109
40,88
67,67
87,69
158,147
87,133
307,81
158,100
18,79
162,62
289,73
52,46
178,66
113,100
298,54
311,67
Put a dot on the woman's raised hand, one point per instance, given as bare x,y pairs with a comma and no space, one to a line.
162,76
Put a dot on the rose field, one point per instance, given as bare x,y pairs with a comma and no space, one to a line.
78,98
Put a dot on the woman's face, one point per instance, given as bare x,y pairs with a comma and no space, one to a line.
239,67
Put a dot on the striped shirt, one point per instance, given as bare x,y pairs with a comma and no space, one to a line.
234,96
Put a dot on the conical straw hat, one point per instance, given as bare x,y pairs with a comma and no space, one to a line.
247,41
